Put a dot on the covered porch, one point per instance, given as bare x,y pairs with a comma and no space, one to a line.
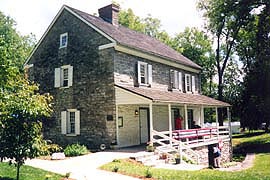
148,116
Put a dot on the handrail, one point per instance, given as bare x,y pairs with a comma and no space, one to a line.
181,145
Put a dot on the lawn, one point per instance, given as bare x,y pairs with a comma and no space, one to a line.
255,142
8,172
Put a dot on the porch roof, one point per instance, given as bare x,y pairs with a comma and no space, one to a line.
174,97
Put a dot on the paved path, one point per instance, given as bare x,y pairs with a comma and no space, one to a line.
247,163
83,167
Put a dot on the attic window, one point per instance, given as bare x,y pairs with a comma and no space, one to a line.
63,40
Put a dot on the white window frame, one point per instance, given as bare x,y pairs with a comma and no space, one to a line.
147,73
188,83
66,125
62,36
59,79
193,84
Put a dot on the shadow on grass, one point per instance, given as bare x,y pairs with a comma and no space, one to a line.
251,134
6,178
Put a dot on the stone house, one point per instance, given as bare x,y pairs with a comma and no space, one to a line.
112,85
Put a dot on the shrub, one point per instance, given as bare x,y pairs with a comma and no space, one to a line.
54,148
75,150
148,173
115,169
45,148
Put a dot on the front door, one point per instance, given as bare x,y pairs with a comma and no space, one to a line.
144,125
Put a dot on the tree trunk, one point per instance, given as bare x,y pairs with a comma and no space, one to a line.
18,171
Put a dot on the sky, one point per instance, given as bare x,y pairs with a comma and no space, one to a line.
34,16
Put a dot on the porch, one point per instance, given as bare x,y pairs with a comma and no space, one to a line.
145,115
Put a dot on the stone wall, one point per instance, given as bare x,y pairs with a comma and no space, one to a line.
125,72
226,154
92,92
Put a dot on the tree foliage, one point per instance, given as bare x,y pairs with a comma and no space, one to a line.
197,46
256,94
14,49
21,107
20,120
225,19
149,25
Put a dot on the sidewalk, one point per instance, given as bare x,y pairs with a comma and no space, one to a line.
83,167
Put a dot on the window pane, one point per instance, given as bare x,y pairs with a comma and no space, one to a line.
143,73
65,77
64,40
72,122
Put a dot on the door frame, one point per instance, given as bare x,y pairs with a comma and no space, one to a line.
148,124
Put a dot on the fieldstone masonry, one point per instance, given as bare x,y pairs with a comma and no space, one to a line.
226,153
92,92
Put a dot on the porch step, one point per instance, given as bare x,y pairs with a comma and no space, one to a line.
140,156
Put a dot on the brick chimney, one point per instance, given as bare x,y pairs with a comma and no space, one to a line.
109,14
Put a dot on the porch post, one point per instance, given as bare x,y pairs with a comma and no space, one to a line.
117,128
217,125
186,117
170,122
229,123
202,117
151,122
230,130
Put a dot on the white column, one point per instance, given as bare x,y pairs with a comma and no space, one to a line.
186,117
117,128
170,121
229,123
202,117
151,121
217,125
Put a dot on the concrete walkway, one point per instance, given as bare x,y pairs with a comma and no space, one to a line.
247,163
83,167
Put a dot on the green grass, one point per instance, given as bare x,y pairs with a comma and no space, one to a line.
258,142
8,172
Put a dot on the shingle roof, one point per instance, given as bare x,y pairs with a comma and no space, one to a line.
174,97
136,40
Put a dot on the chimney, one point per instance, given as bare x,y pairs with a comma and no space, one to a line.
109,14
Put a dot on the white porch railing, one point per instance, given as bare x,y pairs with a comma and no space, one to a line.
172,146
182,141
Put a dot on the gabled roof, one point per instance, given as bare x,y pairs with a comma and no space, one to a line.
136,40
125,37
174,97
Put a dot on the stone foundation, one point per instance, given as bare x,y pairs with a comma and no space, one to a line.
226,154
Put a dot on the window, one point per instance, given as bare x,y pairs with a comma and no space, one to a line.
63,76
188,82
70,122
63,40
176,80
144,73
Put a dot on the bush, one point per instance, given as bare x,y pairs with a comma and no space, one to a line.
44,147
148,173
75,150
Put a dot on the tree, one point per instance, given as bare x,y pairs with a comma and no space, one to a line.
225,18
149,25
197,46
14,49
21,107
22,110
263,57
